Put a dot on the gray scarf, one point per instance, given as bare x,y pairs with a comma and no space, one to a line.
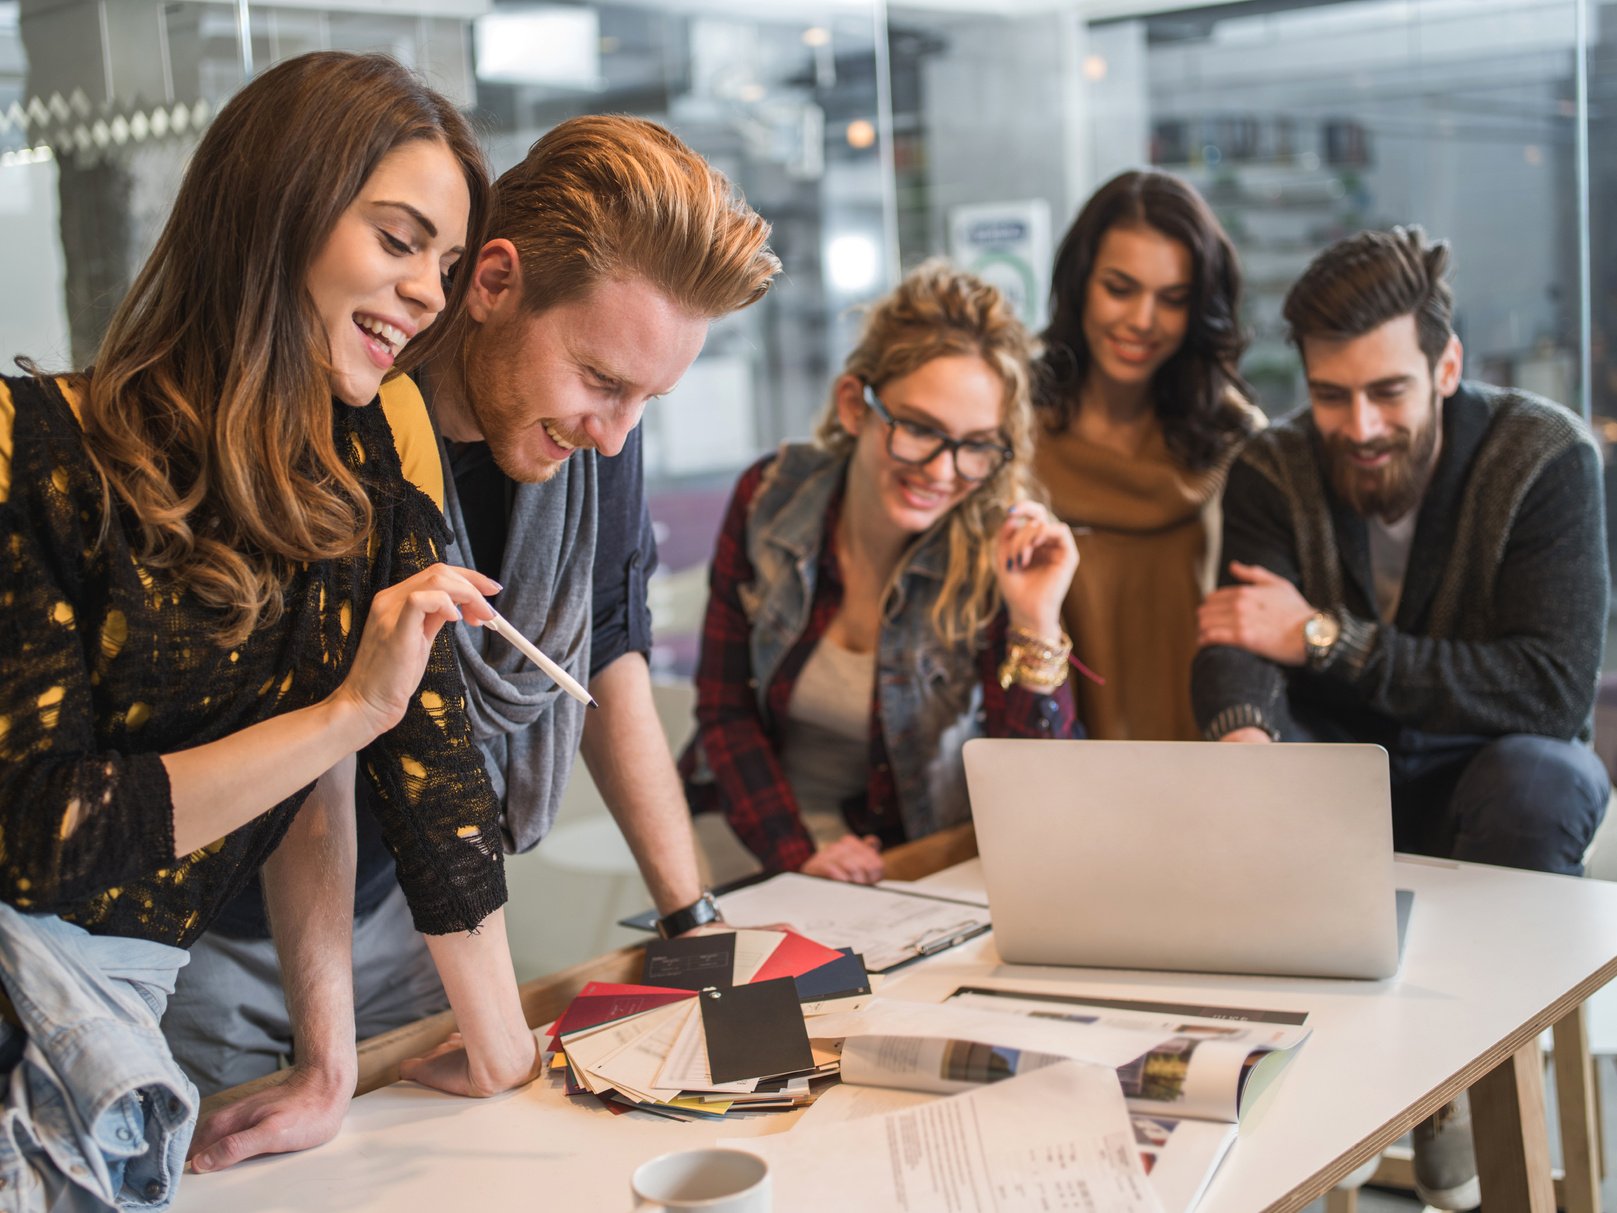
528,727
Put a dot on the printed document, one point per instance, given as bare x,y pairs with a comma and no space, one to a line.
1056,1138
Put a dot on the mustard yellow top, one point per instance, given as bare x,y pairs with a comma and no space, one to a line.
406,413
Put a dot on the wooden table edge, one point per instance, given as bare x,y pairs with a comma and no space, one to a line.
1323,1180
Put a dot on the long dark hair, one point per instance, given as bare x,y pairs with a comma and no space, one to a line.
1191,390
209,412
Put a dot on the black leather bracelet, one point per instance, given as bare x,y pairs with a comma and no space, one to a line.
700,912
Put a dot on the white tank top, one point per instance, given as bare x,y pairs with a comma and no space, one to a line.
825,745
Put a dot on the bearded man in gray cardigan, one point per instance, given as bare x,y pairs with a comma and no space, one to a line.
1419,562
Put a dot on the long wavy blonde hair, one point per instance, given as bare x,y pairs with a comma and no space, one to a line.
936,311
208,414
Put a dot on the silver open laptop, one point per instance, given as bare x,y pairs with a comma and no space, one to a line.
1188,855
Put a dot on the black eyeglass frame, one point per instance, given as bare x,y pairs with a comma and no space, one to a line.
945,441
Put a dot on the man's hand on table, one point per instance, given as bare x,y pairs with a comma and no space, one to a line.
449,1068
303,1111
851,858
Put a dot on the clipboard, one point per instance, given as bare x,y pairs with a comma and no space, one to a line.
890,928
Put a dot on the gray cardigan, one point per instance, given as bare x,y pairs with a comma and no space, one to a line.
1503,614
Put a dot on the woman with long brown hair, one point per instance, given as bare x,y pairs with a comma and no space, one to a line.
883,594
1143,409
222,583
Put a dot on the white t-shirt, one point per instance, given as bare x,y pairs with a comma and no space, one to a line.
1389,559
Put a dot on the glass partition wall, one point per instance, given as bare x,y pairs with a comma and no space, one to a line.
101,102
874,135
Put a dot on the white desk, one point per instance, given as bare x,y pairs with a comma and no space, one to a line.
1493,957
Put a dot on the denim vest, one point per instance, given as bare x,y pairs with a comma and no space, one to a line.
929,696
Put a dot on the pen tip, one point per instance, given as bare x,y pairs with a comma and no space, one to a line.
593,704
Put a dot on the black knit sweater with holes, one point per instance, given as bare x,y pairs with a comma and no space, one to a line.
105,667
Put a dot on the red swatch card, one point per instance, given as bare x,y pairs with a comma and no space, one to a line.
603,1002
794,956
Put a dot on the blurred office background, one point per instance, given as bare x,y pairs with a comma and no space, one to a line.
873,135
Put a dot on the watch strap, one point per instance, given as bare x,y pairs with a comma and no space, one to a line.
699,913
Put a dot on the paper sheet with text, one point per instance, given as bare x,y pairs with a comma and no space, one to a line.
1056,1139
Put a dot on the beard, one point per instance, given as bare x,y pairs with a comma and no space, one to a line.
505,420
1392,490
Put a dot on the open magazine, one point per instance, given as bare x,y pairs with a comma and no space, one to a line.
1191,1074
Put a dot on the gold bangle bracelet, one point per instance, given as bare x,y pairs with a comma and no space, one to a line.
1038,648
1036,662
1036,675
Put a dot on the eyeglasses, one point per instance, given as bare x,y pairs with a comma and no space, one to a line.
912,442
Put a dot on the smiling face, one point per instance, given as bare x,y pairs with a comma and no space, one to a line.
1136,304
958,395
574,376
1376,401
379,278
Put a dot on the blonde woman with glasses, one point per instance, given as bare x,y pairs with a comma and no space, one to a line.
883,594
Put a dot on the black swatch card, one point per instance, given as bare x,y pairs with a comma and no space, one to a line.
755,1031
693,963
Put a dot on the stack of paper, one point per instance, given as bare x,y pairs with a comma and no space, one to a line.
1185,1075
717,1025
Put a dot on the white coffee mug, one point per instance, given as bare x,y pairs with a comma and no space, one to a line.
712,1180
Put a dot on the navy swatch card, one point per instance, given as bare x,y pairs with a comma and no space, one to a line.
841,978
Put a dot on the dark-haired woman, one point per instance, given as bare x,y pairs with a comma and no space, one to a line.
1143,410
220,583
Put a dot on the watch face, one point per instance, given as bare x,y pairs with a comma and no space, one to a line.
1320,631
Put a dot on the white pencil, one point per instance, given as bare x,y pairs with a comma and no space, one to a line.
531,651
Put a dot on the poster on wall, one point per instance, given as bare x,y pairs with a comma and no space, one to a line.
1007,244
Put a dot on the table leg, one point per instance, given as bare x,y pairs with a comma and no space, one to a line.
1512,1134
1600,1112
1342,1200
1576,1099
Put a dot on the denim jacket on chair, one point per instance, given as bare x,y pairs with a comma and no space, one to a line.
94,1113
